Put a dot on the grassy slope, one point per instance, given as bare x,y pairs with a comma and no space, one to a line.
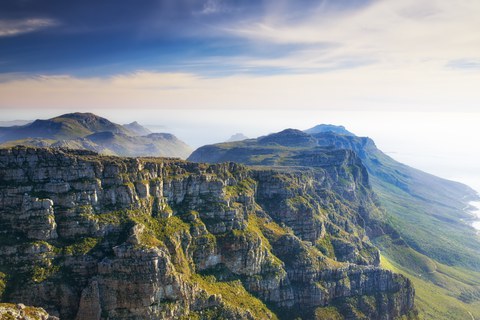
436,301
437,233
441,253
440,289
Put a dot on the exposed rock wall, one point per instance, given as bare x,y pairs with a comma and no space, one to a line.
90,237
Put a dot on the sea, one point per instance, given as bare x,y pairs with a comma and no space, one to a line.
475,211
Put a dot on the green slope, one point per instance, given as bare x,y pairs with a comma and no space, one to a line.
428,211
431,241
436,294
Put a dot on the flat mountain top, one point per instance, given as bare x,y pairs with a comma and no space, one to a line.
322,128
288,138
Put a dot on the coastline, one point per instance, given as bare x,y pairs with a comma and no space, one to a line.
473,209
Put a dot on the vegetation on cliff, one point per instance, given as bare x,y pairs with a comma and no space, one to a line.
440,253
91,237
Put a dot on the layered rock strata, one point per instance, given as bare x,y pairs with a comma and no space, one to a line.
95,237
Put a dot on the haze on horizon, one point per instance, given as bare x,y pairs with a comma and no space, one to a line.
405,73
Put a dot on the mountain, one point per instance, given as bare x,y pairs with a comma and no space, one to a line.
89,131
237,137
97,237
431,241
67,126
288,138
440,202
14,123
136,128
323,128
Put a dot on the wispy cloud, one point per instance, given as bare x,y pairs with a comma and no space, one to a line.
13,27
465,64
393,33
383,54
211,7
363,88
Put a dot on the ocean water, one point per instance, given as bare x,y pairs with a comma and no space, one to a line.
476,213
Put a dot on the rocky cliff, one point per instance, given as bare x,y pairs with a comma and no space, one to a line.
94,237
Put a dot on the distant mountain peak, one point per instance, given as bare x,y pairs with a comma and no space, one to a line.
237,137
90,122
137,128
289,138
322,128
89,131
81,116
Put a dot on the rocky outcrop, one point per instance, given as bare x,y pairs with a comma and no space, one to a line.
20,311
92,237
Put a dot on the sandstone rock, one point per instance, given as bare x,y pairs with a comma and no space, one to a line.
90,237
22,312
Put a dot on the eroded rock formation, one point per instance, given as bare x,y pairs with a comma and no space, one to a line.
94,237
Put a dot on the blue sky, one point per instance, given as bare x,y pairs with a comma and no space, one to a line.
100,38
162,54
405,72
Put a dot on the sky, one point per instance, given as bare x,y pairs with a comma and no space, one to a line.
406,73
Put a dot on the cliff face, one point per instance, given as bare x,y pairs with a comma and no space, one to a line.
90,237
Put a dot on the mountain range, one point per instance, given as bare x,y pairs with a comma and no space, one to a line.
430,241
89,131
314,224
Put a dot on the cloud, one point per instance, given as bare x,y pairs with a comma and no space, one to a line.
13,27
363,88
211,7
393,33
465,64
381,55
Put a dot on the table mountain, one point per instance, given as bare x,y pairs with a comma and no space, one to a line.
323,128
100,237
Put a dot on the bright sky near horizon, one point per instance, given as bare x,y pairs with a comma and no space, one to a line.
405,72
